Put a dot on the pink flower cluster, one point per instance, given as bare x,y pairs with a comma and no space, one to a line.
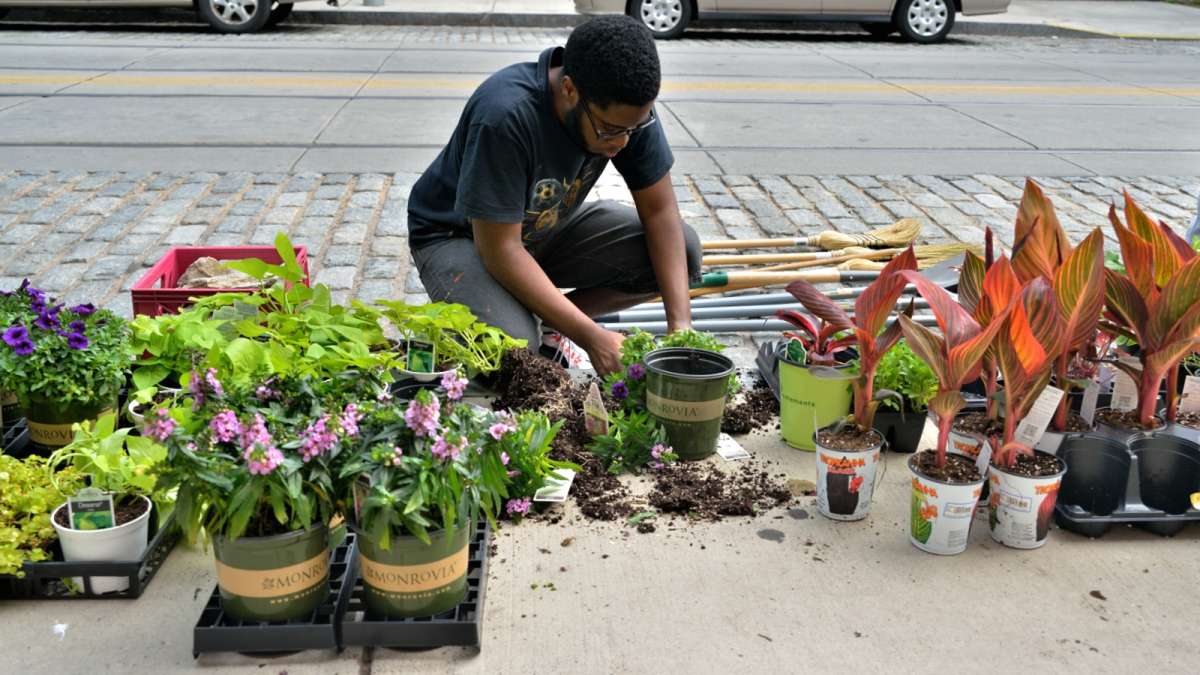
518,506
161,427
260,453
657,452
316,439
454,385
225,427
498,429
349,420
448,450
423,418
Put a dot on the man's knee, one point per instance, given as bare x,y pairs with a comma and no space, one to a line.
694,253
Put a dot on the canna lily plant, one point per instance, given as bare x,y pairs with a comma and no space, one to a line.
819,340
871,311
955,355
1042,250
1155,302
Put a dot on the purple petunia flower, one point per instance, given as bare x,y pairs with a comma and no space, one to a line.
16,334
24,348
48,321
84,310
77,326
619,390
77,341
636,371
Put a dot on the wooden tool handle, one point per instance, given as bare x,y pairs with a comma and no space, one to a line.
756,258
749,243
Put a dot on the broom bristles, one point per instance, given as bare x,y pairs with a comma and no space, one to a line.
899,234
927,256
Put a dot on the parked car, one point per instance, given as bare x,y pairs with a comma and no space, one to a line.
924,21
226,16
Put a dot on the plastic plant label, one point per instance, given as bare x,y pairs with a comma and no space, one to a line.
574,354
1190,402
91,509
556,489
1090,396
729,449
1124,396
1031,429
984,458
595,415
420,360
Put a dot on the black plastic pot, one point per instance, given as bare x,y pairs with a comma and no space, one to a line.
1169,471
903,433
1099,472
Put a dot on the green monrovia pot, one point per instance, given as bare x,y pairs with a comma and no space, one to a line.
412,578
685,392
273,578
808,403
50,420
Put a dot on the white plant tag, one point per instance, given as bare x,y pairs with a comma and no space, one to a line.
573,353
1090,396
1190,402
556,490
1124,396
595,415
1031,429
984,458
729,449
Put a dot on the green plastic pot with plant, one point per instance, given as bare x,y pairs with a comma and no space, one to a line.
946,487
635,440
1155,303
628,386
848,453
523,442
419,478
1041,249
125,468
808,402
65,365
440,337
902,421
27,498
1024,482
255,464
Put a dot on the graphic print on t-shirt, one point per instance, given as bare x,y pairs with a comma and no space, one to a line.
552,200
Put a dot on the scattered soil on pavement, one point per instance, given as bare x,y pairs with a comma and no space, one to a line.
753,412
1125,419
958,470
1190,420
705,492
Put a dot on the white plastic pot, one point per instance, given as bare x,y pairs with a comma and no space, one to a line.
941,513
846,480
1020,508
117,544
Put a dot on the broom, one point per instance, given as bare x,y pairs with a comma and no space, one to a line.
900,233
927,256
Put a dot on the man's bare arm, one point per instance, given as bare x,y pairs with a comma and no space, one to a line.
660,216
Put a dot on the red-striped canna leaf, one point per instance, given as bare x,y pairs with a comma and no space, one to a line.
947,404
954,321
875,304
1176,314
1045,319
970,284
1125,304
1079,285
1166,259
1000,285
817,303
965,357
1185,251
1138,256
1022,353
931,348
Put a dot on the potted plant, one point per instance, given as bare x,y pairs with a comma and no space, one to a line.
27,498
848,452
1024,482
946,487
121,468
65,365
808,402
523,442
1155,302
440,337
255,467
419,477
902,421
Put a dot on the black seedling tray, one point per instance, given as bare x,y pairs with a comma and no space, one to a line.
461,626
1145,482
45,580
16,438
219,632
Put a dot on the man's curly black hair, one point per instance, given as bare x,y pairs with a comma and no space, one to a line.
612,59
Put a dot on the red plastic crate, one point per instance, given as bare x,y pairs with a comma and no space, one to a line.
155,292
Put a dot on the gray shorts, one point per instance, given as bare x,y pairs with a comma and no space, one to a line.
603,245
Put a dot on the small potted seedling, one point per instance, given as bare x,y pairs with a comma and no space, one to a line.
903,421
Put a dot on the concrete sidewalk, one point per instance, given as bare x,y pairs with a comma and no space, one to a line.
1113,18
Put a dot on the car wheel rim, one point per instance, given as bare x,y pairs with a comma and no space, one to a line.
234,12
662,15
928,17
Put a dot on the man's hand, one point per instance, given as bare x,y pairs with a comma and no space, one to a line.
604,349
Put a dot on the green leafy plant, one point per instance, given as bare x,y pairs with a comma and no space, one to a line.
1155,302
431,465
457,337
523,442
115,462
634,441
901,371
871,310
27,498
67,356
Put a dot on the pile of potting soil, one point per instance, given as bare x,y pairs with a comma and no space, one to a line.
756,409
708,493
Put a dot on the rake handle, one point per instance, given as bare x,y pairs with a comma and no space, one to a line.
751,243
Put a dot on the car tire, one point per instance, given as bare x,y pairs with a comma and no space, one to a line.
281,11
924,21
235,16
879,29
3,12
666,19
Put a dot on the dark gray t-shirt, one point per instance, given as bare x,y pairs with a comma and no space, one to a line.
511,160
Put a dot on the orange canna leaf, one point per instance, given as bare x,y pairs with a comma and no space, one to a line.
1079,286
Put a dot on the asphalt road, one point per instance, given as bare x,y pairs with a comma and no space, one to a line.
361,98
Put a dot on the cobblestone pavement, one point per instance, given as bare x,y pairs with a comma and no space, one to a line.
87,236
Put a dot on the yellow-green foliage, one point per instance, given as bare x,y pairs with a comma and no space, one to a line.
27,498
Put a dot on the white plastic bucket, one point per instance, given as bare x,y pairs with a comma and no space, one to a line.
941,513
846,481
1020,508
115,544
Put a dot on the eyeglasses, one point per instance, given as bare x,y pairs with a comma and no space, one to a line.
609,135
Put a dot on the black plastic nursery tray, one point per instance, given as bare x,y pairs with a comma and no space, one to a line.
1146,482
461,626
16,437
219,632
51,579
